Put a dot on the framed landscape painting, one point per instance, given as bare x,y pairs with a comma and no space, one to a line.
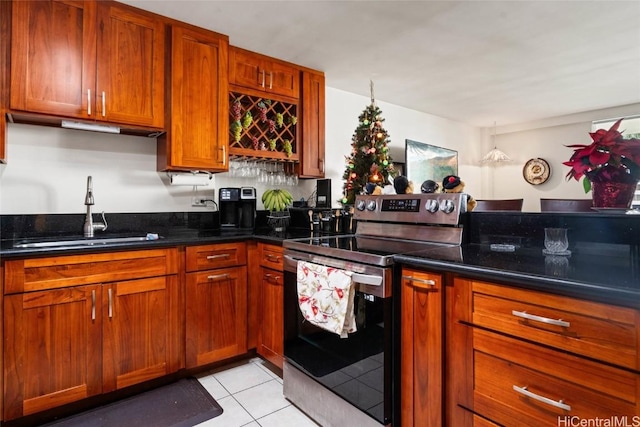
426,161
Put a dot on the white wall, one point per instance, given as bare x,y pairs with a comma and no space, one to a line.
47,167
547,140
343,110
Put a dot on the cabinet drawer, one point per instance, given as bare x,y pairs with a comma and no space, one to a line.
271,256
518,383
206,257
599,331
33,274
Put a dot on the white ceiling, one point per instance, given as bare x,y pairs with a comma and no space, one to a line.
471,61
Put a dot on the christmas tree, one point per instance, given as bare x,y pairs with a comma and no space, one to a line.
370,160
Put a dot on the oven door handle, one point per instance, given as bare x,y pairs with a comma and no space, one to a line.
366,279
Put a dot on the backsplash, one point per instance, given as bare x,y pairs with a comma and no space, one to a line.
57,225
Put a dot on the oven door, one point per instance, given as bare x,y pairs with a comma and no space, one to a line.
357,368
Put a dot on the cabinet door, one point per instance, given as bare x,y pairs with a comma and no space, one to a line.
421,348
312,148
53,51
52,349
245,69
271,332
216,315
5,58
197,138
260,72
138,330
282,79
130,58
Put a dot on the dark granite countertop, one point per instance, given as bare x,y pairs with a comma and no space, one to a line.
604,264
606,273
167,239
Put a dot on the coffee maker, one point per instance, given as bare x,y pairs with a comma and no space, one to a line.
237,208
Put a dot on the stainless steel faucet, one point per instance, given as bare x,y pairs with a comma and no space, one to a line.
89,225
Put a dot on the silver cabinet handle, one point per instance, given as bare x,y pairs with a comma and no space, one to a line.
104,104
270,79
217,256
321,161
224,155
218,276
558,404
272,258
556,322
93,304
271,276
110,302
88,102
263,78
420,283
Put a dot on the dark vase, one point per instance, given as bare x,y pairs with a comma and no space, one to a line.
611,194
613,187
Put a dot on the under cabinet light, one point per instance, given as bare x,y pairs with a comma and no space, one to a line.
70,124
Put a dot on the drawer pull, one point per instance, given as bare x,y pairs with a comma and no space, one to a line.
218,276
420,283
217,256
558,404
93,304
110,302
272,277
273,258
556,322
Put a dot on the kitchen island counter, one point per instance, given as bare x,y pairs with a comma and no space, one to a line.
605,273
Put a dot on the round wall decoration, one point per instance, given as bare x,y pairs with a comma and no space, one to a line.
536,171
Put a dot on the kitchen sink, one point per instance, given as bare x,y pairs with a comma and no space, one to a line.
82,242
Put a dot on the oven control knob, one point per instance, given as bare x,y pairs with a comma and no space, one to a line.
432,206
371,205
447,206
360,205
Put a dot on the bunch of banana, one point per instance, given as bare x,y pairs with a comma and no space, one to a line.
276,200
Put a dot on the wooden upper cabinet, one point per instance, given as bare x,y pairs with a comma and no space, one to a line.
53,57
312,141
89,60
197,106
262,73
5,38
130,78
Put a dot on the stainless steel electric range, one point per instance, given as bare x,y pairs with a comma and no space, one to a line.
355,380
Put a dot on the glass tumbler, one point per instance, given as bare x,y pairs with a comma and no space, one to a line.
556,241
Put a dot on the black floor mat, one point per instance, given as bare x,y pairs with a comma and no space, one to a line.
180,404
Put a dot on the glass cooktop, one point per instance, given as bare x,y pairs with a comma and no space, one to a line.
371,250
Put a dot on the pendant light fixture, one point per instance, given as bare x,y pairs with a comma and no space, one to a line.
495,156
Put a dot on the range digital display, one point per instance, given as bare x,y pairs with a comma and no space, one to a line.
400,205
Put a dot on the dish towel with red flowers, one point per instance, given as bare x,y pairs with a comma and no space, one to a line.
325,297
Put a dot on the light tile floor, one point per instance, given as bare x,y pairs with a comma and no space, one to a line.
251,396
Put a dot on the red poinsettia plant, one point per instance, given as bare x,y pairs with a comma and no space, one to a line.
610,157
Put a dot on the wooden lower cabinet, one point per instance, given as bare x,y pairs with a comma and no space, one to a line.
216,317
52,348
421,348
271,303
520,357
67,343
139,324
271,330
